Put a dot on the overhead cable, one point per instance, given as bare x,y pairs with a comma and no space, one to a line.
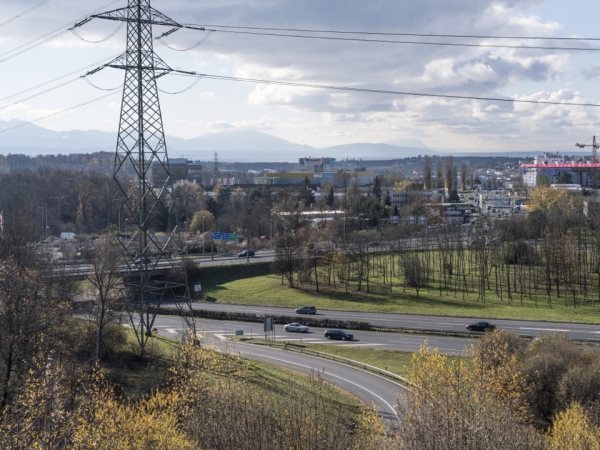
40,40
382,91
395,41
57,113
24,13
383,33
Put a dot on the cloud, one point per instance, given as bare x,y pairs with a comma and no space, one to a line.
263,124
415,68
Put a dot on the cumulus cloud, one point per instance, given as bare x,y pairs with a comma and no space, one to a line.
414,68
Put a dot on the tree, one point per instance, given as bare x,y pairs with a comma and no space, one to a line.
427,169
34,301
572,429
439,173
202,220
186,199
107,283
452,404
288,256
377,188
330,199
308,194
463,176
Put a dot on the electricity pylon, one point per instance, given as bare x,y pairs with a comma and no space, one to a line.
142,150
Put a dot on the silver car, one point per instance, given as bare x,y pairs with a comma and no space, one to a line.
296,328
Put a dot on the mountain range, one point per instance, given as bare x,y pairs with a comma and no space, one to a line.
242,145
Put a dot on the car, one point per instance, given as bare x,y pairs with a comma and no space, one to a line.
246,254
142,260
481,326
339,335
306,310
296,327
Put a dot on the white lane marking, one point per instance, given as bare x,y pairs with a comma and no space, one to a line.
450,323
172,330
558,330
364,345
339,377
596,332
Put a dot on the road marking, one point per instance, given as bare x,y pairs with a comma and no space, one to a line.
365,345
558,330
339,377
172,331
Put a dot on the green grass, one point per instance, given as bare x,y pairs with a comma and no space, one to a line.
140,377
268,291
396,362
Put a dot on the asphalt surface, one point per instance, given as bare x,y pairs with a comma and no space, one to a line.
425,323
370,339
372,389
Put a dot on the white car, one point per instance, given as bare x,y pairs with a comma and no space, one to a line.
296,328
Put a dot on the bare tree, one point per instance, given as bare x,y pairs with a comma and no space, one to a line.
107,283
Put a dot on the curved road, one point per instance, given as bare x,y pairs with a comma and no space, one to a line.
368,387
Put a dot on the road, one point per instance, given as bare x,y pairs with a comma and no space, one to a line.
80,269
425,323
371,339
368,387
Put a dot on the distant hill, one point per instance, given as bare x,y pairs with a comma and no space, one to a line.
241,145
238,145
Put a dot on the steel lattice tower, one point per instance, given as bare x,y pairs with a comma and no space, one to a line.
142,150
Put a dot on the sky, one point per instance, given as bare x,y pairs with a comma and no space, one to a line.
316,117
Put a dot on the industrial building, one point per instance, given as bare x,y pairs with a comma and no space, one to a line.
317,172
555,170
180,169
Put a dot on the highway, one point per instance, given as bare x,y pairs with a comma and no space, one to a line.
368,387
80,269
424,323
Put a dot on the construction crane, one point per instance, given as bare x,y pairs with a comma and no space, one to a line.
594,146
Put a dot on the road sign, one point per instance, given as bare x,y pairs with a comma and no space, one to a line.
198,287
218,236
268,324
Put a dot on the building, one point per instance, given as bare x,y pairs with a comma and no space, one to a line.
180,169
556,170
317,172
317,165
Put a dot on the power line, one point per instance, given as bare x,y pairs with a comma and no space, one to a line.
57,113
40,40
393,41
45,91
380,33
202,41
104,39
61,77
23,13
381,91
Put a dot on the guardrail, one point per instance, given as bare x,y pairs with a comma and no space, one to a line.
406,383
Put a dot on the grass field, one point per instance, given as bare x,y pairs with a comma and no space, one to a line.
268,290
140,378
396,362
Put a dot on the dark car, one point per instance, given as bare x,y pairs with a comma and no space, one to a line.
339,335
481,326
246,253
306,310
